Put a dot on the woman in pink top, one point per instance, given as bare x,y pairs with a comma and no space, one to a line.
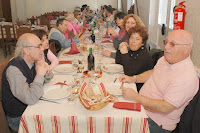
49,57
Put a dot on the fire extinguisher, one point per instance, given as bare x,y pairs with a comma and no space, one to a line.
179,16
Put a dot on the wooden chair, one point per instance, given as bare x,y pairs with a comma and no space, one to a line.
3,122
22,30
54,46
45,21
32,21
8,38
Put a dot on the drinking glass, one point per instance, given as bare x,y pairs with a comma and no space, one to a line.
75,65
100,56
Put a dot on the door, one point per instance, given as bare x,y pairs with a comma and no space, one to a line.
6,9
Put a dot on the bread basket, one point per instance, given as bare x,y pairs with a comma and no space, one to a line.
97,105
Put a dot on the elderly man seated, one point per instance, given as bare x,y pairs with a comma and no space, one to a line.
57,33
22,79
169,87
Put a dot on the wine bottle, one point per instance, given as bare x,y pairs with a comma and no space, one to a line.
90,60
93,36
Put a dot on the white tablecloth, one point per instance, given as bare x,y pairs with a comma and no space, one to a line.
73,117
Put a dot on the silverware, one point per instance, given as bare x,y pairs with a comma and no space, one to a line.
63,84
115,80
49,101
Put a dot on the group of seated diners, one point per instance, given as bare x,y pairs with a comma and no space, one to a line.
164,89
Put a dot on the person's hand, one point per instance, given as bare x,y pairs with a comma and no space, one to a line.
82,38
106,53
123,47
115,34
42,68
129,93
112,32
108,19
127,79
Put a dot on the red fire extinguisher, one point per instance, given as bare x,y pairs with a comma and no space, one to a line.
179,16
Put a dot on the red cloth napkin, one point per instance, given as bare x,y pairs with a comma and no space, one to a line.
74,49
83,31
65,62
106,41
106,35
128,106
60,83
85,25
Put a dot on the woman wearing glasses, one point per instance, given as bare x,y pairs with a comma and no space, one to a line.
49,57
79,18
134,55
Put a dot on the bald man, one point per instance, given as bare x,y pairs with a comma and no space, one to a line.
22,79
169,87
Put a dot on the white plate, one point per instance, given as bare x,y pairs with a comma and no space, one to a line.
64,68
114,89
112,68
56,93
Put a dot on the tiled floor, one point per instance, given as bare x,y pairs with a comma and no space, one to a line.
2,58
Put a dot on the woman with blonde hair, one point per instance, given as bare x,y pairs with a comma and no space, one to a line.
129,21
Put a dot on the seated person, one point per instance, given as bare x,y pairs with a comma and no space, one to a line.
169,87
110,17
118,31
49,57
70,18
134,57
129,21
78,17
57,33
22,79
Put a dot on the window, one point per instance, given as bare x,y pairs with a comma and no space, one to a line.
162,16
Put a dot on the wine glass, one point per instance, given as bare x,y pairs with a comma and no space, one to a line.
75,65
100,56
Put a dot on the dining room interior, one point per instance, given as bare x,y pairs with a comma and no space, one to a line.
84,94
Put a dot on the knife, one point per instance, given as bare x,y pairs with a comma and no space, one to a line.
49,101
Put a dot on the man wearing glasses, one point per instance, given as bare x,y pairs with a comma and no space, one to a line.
169,87
23,79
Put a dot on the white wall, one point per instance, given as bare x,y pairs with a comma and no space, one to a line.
23,9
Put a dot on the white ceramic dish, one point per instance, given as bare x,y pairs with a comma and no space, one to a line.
112,68
64,68
56,93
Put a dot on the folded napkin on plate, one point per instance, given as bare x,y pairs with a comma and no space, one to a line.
74,49
128,106
83,31
106,41
65,62
60,83
85,25
106,35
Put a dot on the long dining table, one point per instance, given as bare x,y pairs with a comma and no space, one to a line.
63,116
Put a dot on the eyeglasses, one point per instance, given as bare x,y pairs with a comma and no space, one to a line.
171,44
38,46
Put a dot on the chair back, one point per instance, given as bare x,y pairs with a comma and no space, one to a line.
3,122
55,46
8,38
45,21
33,21
8,32
22,30
189,122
